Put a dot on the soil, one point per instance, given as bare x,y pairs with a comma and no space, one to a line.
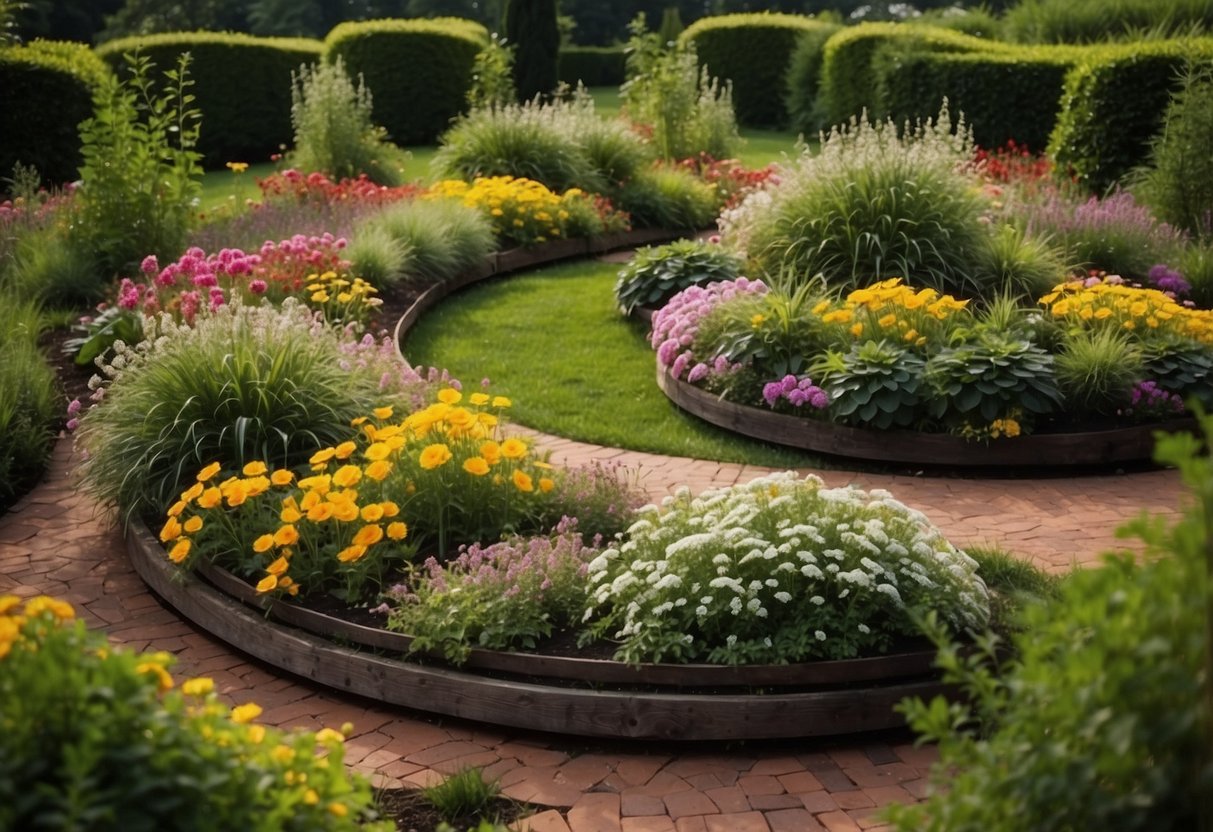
413,813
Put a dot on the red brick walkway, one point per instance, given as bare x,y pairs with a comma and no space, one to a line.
59,542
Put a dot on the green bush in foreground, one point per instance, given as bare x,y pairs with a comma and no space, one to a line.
102,738
1101,720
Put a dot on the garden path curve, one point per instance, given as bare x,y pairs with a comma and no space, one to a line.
58,541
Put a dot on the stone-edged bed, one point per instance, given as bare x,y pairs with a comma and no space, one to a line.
551,693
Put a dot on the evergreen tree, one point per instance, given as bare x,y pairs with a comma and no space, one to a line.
530,26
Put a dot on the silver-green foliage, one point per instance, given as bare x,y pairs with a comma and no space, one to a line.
657,273
421,241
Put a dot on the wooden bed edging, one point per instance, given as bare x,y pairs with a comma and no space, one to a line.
581,712
1129,444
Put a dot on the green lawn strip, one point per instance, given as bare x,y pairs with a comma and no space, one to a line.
553,341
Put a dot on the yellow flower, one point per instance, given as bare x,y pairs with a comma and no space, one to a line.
176,508
310,798
193,492
501,401
435,455
199,686
887,321
397,531
246,713
8,603
208,472
345,511
338,810
193,524
857,329
372,513
328,736
478,399
170,531
180,550
351,553
378,470
347,475
268,583
344,450
368,535
449,395
286,535
522,481
237,167
256,733
513,448
377,451
163,680
546,484
278,567
254,469
62,610
491,452
263,543
477,466
210,498
322,456
282,477
757,320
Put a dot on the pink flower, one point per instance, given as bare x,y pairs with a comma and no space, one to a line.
698,372
257,286
149,265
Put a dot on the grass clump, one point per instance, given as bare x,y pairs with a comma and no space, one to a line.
661,197
420,241
1096,369
464,794
29,401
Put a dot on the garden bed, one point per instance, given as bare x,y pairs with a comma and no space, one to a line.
547,693
1096,447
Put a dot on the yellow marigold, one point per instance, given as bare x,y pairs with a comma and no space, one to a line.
478,399
351,553
319,483
236,494
171,530
278,567
345,511
378,470
210,498
291,512
39,604
180,550
477,466
522,481
208,472
286,535
501,401
198,686
347,475
377,451
372,513
491,452
246,713
513,448
397,531
282,477
435,455
368,535
449,395
546,484
887,321
254,469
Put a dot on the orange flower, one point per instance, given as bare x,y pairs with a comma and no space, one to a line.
397,531
435,455
522,481
513,449
477,466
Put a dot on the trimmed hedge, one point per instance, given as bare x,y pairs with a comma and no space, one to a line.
1091,21
804,80
1113,105
594,66
753,51
418,71
848,72
46,90
242,85
1012,95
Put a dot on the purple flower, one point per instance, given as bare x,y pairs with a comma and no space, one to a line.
771,392
698,372
797,397
72,424
74,407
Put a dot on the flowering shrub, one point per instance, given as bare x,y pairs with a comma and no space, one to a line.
1146,313
1169,280
524,212
676,324
732,180
777,570
104,738
315,187
503,596
920,319
1013,164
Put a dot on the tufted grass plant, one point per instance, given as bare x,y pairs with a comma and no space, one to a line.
465,793
1196,265
244,383
1019,264
30,402
422,241
1096,369
660,197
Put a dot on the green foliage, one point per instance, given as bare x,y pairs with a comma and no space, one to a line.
594,66
657,273
1184,368
30,403
98,737
244,384
422,242
752,52
876,384
1178,184
776,570
1196,265
662,197
1088,21
33,133
1019,263
418,71
493,76
1114,102
141,169
463,794
55,269
530,25
1101,720
989,377
240,86
804,78
333,129
1096,369
688,110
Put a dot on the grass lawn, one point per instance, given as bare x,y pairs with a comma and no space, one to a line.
553,341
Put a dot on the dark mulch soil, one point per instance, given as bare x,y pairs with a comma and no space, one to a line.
413,813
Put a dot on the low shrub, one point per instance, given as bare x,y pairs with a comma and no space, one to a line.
104,737
422,241
1096,372
657,273
30,404
661,197
1065,735
522,212
776,570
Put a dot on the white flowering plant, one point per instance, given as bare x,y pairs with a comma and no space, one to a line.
781,569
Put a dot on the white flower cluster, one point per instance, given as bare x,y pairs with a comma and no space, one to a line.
744,562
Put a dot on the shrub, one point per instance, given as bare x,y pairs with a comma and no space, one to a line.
493,76
52,267
243,384
1196,265
1178,184
141,170
656,274
530,25
1087,21
1066,735
593,66
805,114
100,736
523,212
333,130
240,85
1096,371
752,52
661,197
776,570
418,71
424,241
1019,263
1112,105
32,133
992,376
29,403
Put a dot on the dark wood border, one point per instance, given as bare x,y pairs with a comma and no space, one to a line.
522,704
1130,444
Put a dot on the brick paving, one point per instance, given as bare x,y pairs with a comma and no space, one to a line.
59,542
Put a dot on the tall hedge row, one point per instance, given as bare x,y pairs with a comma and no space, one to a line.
1113,104
418,71
754,52
242,85
46,90
804,78
594,66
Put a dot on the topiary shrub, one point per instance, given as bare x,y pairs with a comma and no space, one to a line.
241,84
593,66
46,90
804,78
530,25
753,51
1113,104
418,71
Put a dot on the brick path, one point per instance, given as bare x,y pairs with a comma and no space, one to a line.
59,542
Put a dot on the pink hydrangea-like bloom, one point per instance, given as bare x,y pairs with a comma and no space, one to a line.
698,373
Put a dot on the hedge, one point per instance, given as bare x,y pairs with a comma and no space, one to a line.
418,71
754,52
242,85
1012,95
1113,105
848,77
804,78
594,66
1092,21
46,90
